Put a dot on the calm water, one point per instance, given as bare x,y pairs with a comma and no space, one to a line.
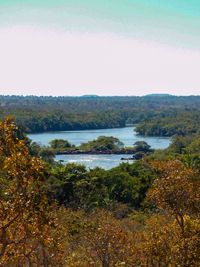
127,135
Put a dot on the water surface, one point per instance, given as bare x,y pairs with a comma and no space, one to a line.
91,161
127,135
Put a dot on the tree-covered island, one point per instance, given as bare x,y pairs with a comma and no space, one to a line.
102,145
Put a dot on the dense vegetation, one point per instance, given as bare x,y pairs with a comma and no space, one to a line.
100,103
140,214
180,123
102,145
39,114
56,120
74,186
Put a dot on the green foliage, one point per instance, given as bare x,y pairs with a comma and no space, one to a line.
103,143
141,149
66,184
34,149
141,146
75,186
186,146
179,122
36,120
131,182
40,114
60,144
47,154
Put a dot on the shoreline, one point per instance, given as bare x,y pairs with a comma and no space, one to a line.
135,155
95,152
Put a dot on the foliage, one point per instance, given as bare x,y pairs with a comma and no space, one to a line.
181,122
34,149
36,120
103,143
108,223
69,185
141,146
175,241
98,239
60,144
141,149
47,154
163,244
176,189
27,233
74,186
162,115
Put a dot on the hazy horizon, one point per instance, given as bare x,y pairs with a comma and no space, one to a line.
98,47
89,95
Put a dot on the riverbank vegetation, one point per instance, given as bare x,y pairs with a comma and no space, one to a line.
157,113
140,214
180,123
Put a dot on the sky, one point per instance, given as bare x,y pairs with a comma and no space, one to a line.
99,47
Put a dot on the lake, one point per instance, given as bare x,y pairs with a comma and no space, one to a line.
127,135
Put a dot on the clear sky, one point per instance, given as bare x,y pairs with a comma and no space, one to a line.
104,47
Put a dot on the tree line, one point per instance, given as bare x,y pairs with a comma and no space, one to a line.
40,114
179,122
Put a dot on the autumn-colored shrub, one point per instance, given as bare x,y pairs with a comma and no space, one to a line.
27,227
176,192
162,242
98,239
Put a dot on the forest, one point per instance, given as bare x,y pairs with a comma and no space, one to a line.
140,214
41,114
181,122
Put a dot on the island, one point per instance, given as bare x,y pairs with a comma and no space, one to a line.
102,145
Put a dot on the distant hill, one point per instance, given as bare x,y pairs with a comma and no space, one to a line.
94,103
89,96
159,95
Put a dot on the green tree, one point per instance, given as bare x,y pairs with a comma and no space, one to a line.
142,146
47,154
60,144
103,143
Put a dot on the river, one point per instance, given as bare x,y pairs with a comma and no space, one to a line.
127,135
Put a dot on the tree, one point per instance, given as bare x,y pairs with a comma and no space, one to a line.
176,191
60,144
27,234
34,149
47,154
142,146
98,239
103,143
68,183
162,242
